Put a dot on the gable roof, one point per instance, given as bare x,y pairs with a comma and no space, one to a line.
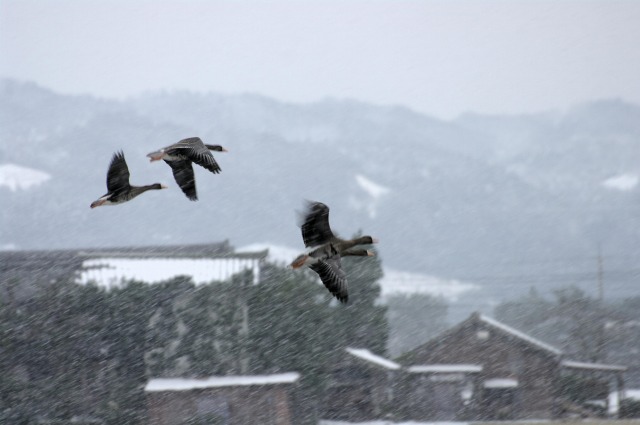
517,334
368,356
476,317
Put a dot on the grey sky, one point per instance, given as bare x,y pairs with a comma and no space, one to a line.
438,57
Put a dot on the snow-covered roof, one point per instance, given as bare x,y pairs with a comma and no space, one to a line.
501,383
445,368
186,384
111,271
593,366
367,355
536,342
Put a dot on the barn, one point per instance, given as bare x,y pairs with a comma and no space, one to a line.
482,369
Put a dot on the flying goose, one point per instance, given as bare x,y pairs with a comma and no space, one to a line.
180,155
118,188
324,250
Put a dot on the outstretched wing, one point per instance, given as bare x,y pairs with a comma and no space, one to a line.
315,227
201,155
333,277
183,173
118,173
195,149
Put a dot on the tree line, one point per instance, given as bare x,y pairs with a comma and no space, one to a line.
85,353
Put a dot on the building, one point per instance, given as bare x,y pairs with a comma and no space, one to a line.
22,272
360,386
483,369
221,400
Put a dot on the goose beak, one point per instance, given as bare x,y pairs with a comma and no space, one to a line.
370,253
299,262
375,240
163,186
224,150
155,156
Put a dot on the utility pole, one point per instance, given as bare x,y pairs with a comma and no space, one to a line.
600,349
600,276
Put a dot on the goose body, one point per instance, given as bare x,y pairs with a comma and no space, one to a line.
180,157
324,250
118,188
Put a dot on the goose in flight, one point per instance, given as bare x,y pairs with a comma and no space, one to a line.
324,250
118,188
180,157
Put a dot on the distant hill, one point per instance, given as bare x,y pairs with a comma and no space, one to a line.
504,202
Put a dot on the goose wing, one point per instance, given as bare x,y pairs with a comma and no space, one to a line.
332,276
195,149
203,157
183,173
315,227
118,174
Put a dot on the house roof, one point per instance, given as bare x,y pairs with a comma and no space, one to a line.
110,271
204,263
476,317
593,366
368,356
517,334
445,368
186,384
213,250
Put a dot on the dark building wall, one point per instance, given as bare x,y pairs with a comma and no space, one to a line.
358,391
502,355
254,405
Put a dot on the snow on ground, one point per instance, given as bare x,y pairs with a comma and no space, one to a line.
622,182
382,422
110,272
393,282
16,177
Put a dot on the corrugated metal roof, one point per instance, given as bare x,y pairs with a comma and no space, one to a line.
110,271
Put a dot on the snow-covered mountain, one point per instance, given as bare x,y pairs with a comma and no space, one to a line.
15,177
500,202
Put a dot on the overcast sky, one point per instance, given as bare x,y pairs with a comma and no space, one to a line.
438,57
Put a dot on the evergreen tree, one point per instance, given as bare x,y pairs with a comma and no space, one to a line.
363,322
293,329
214,336
163,334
